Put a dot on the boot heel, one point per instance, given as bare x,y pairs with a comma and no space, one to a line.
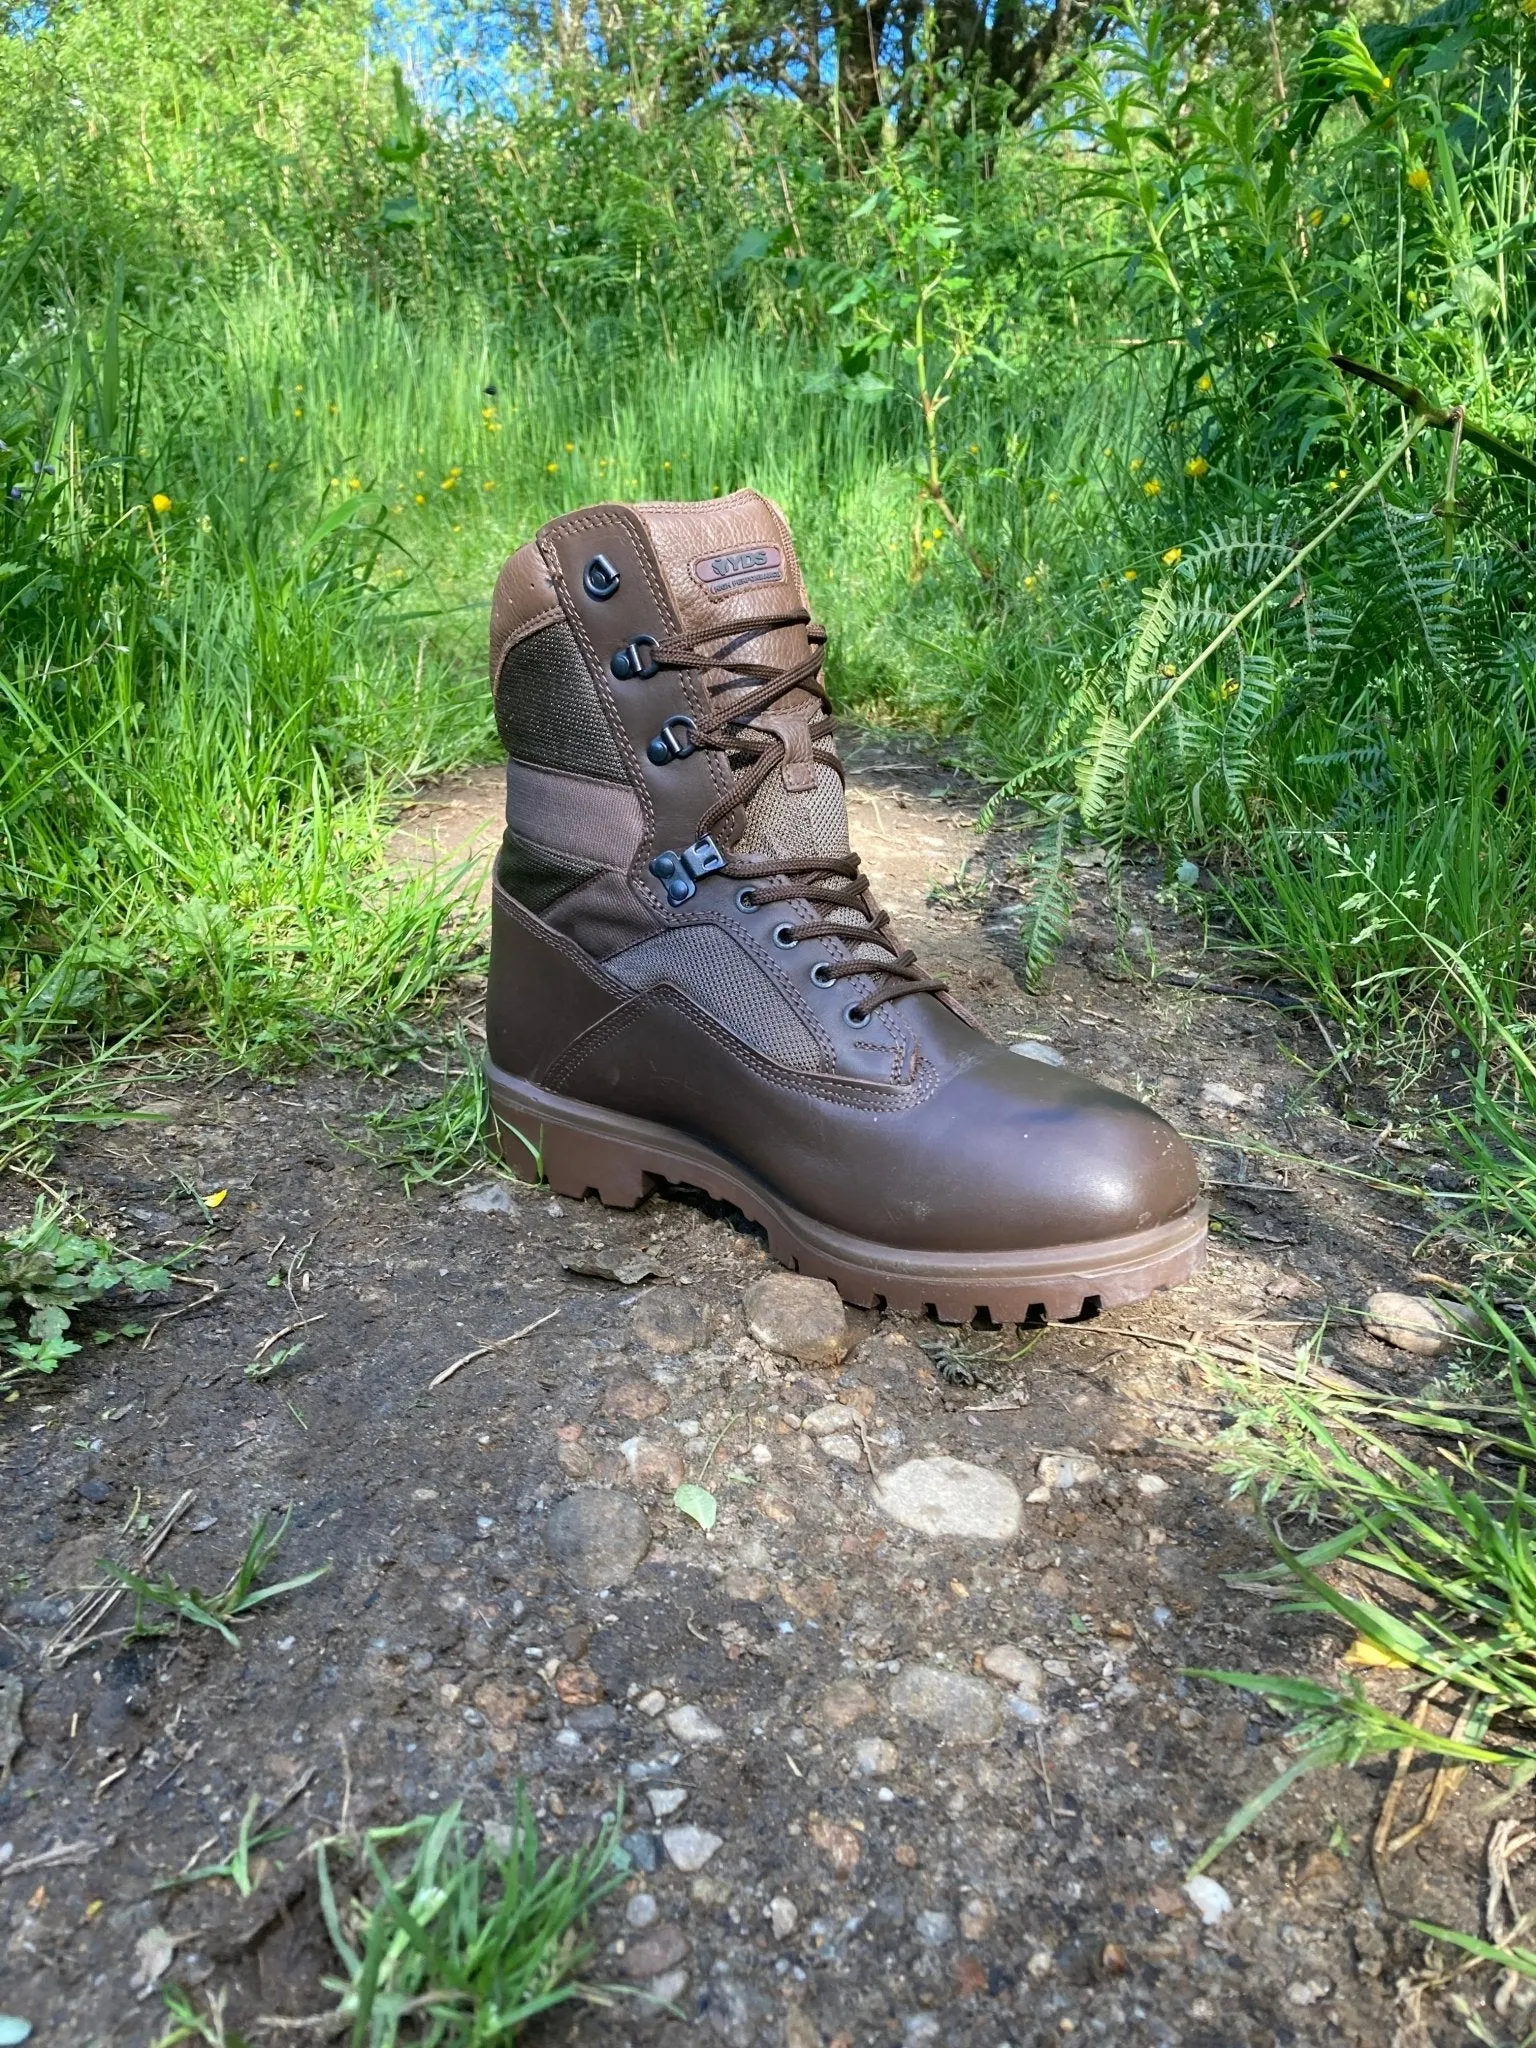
574,1163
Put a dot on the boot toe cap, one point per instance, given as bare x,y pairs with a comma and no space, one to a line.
1046,1158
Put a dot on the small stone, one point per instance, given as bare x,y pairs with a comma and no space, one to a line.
1038,1049
1310,1991
800,2030
828,1420
597,1538
489,1198
740,1583
783,1917
643,1851
578,1685
574,1460
666,1800
1212,1901
690,1848
840,1845
933,1929
920,2027
641,1911
692,1725
905,1855
948,1497
977,1916
669,1989
1419,1324
844,1703
1221,1096
1290,1287
1149,1483
846,1450
669,1321
662,1949
635,1400
711,1892
651,1703
874,1757
800,1317
657,1467
956,1707
1061,1470
1015,1667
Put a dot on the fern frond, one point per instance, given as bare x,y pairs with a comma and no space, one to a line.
1050,904
1102,769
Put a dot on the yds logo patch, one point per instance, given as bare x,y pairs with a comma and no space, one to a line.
739,569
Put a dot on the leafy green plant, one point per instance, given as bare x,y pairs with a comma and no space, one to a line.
459,1946
217,1611
48,1274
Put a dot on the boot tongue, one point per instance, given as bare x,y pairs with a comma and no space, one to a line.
727,561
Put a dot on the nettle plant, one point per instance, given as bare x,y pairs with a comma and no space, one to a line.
48,1274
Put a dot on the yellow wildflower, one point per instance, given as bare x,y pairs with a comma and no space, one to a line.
489,484
448,483
570,447
354,483
1197,467
298,412
1152,487
1029,582
550,468
421,476
1315,217
1136,463
161,502
1053,497
1172,557
1418,179
421,497
973,449
1129,575
270,467
1206,382
666,465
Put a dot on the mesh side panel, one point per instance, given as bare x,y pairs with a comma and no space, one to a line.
708,965
536,875
548,711
797,822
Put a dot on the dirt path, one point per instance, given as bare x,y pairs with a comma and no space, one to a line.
929,1789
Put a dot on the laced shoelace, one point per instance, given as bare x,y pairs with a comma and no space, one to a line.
828,882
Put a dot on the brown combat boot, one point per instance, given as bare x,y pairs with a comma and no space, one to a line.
690,981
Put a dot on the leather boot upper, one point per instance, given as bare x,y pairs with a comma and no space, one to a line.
635,965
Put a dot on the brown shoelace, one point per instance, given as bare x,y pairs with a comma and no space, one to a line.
744,690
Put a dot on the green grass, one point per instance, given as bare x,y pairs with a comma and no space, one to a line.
218,1612
462,1944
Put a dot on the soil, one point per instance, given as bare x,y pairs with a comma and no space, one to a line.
1014,1876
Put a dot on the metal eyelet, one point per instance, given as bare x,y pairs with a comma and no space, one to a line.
746,899
784,935
674,742
855,1016
600,579
823,976
632,663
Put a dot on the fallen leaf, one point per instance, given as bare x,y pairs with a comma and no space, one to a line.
697,1503
628,1274
1363,1651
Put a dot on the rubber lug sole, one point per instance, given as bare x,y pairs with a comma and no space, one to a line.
581,1149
